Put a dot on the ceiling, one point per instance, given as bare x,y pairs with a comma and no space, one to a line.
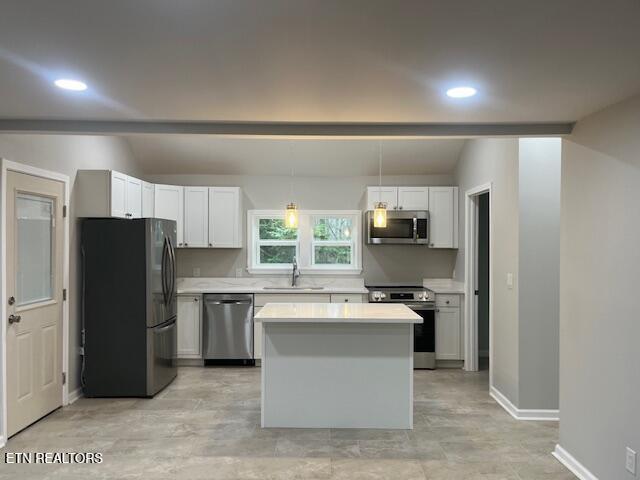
318,60
209,154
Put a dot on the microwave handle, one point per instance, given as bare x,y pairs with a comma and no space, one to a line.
415,228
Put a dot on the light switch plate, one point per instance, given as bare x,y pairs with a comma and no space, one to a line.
196,272
630,463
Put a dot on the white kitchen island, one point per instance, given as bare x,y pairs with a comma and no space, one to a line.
337,365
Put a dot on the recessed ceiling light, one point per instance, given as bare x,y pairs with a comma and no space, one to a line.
461,92
69,84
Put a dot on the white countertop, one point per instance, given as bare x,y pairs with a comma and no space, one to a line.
337,313
197,285
444,285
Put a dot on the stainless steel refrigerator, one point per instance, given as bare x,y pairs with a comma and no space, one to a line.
128,306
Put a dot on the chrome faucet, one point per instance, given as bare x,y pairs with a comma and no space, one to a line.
295,273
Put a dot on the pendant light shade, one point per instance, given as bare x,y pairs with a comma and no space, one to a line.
380,215
291,216
380,208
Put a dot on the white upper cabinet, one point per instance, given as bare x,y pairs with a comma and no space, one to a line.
134,198
225,222
388,195
169,204
148,200
413,198
196,217
118,194
443,217
107,193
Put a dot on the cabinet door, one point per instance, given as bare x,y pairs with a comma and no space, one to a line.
169,203
189,326
448,333
118,194
388,195
148,195
224,217
443,218
134,197
413,198
196,217
257,335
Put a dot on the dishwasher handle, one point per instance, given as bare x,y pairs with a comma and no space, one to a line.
229,302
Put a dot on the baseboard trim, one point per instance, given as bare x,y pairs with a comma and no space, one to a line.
572,464
521,413
75,395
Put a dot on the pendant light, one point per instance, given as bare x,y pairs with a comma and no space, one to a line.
380,208
291,212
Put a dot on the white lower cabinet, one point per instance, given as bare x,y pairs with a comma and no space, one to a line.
189,326
449,327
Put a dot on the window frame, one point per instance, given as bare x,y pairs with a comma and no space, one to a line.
305,243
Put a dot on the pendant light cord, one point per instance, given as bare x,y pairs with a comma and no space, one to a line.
379,171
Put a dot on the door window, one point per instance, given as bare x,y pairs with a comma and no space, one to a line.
34,269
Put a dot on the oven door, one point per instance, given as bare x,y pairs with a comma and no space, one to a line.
424,337
402,227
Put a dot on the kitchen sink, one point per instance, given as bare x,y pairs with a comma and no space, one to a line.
294,289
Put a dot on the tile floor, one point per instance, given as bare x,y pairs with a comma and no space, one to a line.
206,426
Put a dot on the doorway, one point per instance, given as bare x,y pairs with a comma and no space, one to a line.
478,284
482,281
34,282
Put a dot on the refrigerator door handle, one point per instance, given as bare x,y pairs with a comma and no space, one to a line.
172,258
163,272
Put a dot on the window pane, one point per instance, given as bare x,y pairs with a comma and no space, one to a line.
277,254
34,217
332,229
325,255
274,229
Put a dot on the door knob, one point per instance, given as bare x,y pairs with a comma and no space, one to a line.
14,319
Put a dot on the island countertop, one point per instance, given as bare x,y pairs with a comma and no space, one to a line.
337,313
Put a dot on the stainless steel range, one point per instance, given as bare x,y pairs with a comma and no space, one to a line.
422,301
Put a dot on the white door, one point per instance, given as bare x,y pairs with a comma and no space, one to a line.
169,204
196,217
189,325
448,333
442,217
134,197
148,199
224,217
413,198
35,241
388,195
118,194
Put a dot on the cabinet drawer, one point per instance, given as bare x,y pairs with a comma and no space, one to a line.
447,300
261,300
342,298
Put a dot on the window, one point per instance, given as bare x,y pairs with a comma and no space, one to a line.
324,242
277,245
332,242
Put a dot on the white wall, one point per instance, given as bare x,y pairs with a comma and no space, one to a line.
66,154
381,263
496,161
599,310
539,272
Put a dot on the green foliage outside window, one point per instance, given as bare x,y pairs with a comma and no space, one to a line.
275,229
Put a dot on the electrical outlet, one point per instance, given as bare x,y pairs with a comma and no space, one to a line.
196,272
630,462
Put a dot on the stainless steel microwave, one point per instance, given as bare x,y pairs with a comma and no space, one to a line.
403,227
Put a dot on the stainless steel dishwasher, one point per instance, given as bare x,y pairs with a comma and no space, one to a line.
228,329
